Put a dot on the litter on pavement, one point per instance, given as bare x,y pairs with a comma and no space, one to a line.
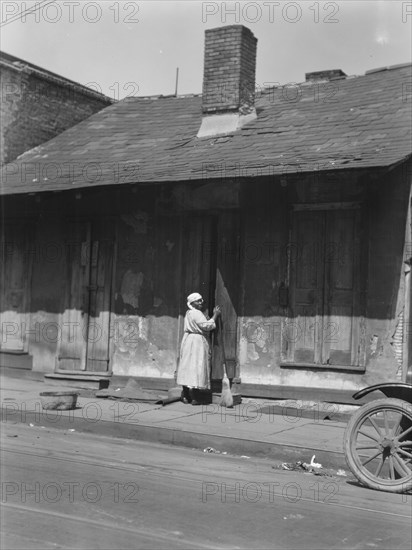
314,464
312,468
215,451
299,465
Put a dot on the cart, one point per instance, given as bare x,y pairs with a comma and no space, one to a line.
378,439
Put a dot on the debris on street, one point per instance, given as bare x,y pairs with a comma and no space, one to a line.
314,464
292,466
294,516
300,466
214,451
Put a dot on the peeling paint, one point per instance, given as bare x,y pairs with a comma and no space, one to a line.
374,344
131,287
252,354
135,352
397,342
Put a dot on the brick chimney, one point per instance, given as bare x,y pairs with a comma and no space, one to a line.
228,80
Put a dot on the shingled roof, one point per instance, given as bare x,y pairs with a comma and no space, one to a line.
348,123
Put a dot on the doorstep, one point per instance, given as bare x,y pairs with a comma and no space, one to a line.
77,381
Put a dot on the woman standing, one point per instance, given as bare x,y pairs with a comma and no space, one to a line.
194,366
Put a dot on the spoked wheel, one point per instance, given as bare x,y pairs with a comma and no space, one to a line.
378,445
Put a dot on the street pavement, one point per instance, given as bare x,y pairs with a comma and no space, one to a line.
64,489
295,432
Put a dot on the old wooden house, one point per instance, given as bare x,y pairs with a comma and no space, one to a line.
288,205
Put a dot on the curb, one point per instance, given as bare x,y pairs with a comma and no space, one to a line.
319,414
174,436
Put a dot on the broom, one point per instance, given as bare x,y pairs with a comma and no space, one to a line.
226,398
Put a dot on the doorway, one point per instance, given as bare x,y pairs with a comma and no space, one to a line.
324,321
210,260
85,341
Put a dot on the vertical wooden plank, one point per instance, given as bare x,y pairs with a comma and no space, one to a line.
320,284
306,287
207,265
181,293
100,291
14,286
356,355
199,260
340,337
407,337
112,315
227,288
73,344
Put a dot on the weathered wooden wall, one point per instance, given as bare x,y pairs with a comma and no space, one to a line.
230,241
383,206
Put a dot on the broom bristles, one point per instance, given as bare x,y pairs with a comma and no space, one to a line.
226,399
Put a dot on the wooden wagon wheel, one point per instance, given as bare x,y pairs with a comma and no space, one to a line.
378,445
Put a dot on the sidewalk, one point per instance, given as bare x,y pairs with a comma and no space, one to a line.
286,432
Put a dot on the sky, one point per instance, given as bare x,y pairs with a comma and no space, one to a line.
128,48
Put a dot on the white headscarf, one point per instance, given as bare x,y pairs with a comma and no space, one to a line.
193,298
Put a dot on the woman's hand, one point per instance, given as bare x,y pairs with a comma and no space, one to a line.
217,311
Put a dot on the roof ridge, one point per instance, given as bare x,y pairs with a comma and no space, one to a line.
389,68
162,96
22,65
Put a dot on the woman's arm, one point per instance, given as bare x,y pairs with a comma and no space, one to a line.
200,320
203,323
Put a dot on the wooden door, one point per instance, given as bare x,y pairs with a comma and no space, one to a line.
211,266
306,257
86,319
73,344
199,238
227,293
99,298
324,320
341,303
14,285
199,258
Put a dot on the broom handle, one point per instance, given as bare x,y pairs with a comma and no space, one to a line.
223,344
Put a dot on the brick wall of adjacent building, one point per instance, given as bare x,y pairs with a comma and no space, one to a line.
37,105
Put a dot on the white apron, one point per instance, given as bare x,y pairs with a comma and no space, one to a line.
194,364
